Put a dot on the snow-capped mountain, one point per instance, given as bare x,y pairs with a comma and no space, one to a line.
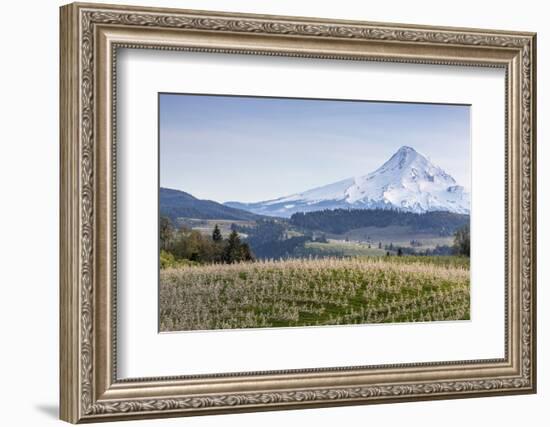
408,181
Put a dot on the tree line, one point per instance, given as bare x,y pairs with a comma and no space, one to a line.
185,244
339,221
270,239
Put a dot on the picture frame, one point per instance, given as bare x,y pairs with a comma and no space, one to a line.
91,37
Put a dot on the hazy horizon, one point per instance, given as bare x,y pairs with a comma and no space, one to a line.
250,149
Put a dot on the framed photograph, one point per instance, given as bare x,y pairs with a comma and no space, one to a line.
266,212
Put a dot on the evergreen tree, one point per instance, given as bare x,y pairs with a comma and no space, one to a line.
399,252
232,252
379,245
462,241
217,234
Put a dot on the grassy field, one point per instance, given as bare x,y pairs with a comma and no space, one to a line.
307,292
342,248
395,234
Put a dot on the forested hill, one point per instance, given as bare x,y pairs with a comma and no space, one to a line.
179,204
342,220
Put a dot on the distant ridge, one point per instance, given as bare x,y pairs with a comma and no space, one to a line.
407,182
179,204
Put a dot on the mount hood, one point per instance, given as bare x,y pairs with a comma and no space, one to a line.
408,181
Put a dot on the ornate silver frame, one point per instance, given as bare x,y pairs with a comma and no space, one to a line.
90,36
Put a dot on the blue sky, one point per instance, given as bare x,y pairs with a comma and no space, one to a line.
251,149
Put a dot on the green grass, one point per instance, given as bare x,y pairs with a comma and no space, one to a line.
341,248
396,234
307,292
